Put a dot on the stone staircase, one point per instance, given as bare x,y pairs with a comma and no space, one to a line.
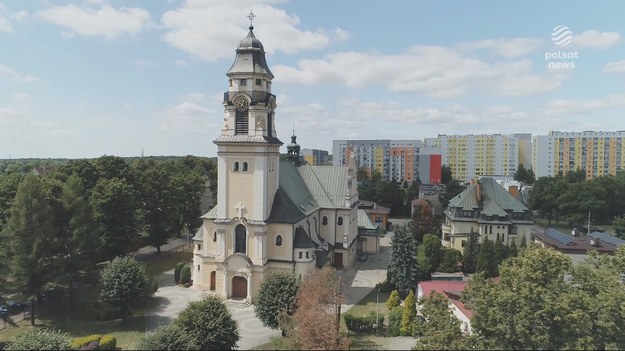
237,303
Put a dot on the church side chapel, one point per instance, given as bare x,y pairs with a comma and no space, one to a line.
271,214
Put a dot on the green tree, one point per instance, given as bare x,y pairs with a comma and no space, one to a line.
78,234
446,175
403,268
501,252
471,253
394,321
450,259
543,301
523,175
167,337
124,282
545,194
486,260
453,188
441,329
208,325
523,244
409,314
40,339
277,292
393,300
512,249
8,189
115,205
433,251
31,242
619,226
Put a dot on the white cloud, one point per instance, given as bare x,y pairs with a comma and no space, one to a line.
615,67
4,70
207,28
596,39
21,98
509,47
188,117
181,63
576,107
104,21
5,26
430,70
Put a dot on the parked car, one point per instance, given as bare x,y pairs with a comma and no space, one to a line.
4,312
15,306
363,257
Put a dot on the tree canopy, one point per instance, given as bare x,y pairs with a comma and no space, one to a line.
276,293
403,267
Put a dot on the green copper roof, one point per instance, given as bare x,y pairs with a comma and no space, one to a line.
467,200
492,191
364,221
293,200
492,209
328,184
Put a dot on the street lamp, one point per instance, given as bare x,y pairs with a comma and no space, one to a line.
377,319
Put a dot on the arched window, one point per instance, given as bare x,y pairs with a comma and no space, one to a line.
278,240
214,236
235,168
240,238
241,116
269,123
324,220
244,167
340,221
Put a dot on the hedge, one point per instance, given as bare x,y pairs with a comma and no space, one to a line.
78,343
108,342
177,270
364,324
185,274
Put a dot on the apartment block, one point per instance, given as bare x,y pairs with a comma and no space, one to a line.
596,153
470,156
315,157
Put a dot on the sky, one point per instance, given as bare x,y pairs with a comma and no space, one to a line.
82,79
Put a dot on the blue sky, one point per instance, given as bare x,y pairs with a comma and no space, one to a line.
94,77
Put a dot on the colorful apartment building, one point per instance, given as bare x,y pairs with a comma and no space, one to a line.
470,156
596,153
315,157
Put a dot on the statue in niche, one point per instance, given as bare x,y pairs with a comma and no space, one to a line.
260,123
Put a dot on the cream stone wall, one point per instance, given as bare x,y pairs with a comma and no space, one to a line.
325,231
284,252
240,189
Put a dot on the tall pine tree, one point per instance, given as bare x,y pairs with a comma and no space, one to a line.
403,269
32,242
470,253
487,261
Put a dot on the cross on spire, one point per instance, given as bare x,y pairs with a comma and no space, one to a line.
251,16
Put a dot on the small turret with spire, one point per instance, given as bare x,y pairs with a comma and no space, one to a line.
293,149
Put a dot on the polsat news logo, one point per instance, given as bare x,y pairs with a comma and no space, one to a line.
558,60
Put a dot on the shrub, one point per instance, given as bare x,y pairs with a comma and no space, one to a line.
40,339
78,343
185,274
108,342
177,270
168,337
385,286
393,300
394,321
364,324
124,282
101,311
208,324
408,314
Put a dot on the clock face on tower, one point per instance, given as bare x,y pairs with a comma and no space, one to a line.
241,104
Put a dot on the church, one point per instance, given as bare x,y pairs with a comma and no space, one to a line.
271,214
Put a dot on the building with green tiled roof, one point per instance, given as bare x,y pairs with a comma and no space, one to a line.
486,208
271,214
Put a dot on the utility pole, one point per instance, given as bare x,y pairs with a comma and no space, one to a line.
377,313
588,223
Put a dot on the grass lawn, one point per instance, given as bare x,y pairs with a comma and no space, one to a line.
368,304
167,260
57,314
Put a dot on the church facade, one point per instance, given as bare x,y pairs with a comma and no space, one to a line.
271,214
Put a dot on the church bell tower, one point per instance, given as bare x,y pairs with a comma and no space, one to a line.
248,148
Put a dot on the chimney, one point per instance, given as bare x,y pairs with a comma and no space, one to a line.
514,190
478,191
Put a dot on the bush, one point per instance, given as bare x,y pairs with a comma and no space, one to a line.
394,321
124,282
393,300
108,342
177,270
185,274
364,324
385,286
40,339
168,337
101,311
78,343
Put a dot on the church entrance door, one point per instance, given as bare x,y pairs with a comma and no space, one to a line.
239,287
212,283
338,260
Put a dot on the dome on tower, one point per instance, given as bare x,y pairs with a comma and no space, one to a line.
250,57
250,42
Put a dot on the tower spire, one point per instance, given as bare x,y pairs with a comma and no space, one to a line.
251,16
